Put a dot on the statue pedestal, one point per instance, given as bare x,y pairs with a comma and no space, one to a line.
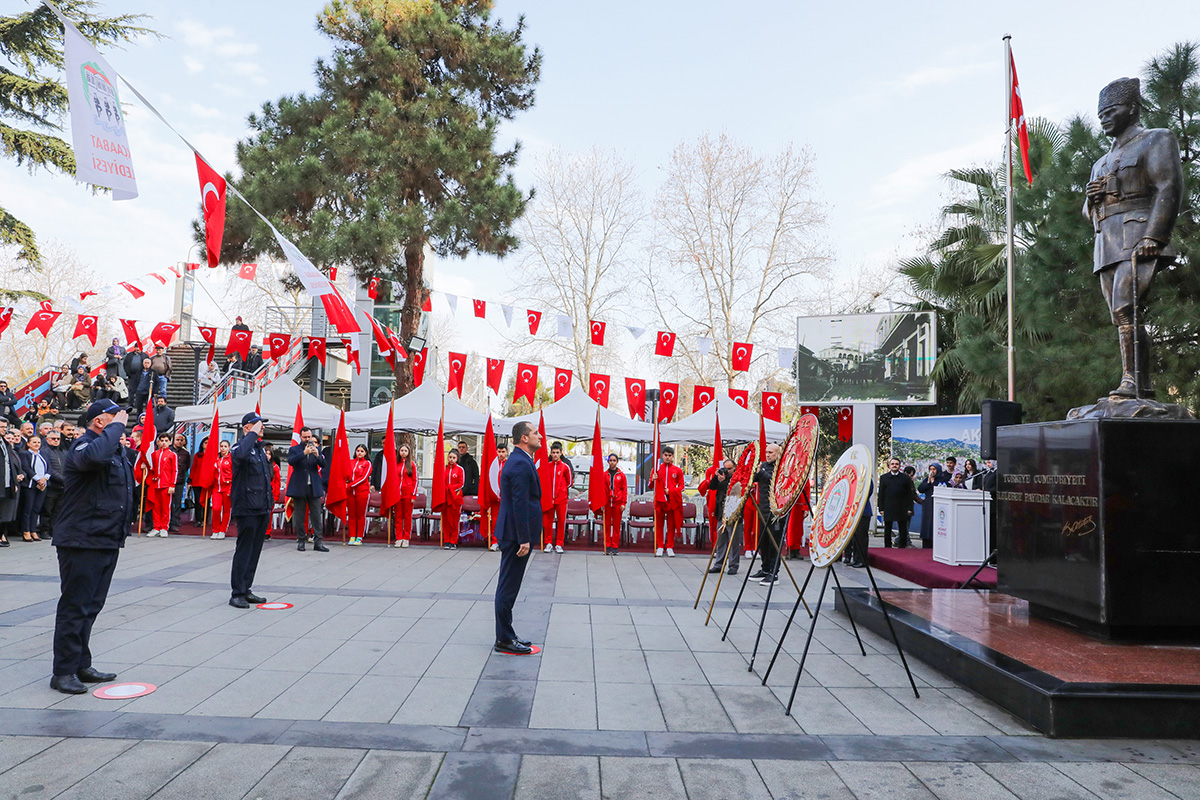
1097,524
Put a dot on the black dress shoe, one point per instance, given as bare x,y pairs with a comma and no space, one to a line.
715,570
67,684
251,597
90,675
238,602
300,547
733,571
513,648
524,642
320,548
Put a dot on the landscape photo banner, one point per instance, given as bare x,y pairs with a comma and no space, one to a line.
98,134
921,441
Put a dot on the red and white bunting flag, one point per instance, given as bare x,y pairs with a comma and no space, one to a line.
175,271
668,400
535,319
741,397
42,319
526,383
239,342
635,397
85,326
212,197
814,410
129,327
279,343
495,374
458,369
248,272
352,354
562,383
598,332
5,318
740,356
386,351
137,293
665,346
209,335
418,366
772,406
163,333
85,295
701,396
316,349
373,288
480,308
1018,115
846,424
598,388
191,266
157,277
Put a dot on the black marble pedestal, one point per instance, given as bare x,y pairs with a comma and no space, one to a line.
1099,524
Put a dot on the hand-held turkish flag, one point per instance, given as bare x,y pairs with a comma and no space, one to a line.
85,326
163,333
42,319
846,424
437,489
239,342
772,406
212,197
316,349
635,397
535,319
741,397
665,345
488,498
495,374
480,308
597,333
1017,110
668,400
526,385
131,335
701,396
389,484
597,485
458,368
598,388
418,366
339,471
352,355
562,383
280,344
740,356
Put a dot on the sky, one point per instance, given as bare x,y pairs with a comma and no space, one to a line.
888,96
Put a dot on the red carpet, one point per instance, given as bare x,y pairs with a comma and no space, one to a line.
918,566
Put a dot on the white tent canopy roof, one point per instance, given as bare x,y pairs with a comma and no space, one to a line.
737,425
574,418
277,402
419,412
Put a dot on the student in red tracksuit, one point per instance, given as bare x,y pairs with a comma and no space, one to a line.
452,510
160,484
409,482
616,493
222,487
668,503
358,493
555,484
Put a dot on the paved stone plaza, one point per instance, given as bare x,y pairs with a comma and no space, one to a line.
381,682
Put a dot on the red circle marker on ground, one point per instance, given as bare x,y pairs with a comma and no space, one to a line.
273,606
123,691
533,648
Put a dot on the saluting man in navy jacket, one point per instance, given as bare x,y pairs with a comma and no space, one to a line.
518,524
251,501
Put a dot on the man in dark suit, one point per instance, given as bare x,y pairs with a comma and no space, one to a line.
307,489
896,497
518,524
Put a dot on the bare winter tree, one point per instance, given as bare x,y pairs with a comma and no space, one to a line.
580,239
738,233
250,299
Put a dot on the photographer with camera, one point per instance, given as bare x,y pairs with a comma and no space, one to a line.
306,489
715,487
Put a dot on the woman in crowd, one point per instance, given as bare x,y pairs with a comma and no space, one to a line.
222,488
80,360
358,493
409,481
970,471
10,483
36,470
926,489
112,359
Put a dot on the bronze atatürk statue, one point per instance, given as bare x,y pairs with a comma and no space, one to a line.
1133,198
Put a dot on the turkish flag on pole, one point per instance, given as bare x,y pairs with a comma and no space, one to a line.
208,460
668,400
352,355
418,366
846,424
718,449
1017,110
297,424
163,333
598,388
489,496
316,349
535,319
597,332
85,326
772,406
339,471
389,484
741,355
137,293
383,343
373,289
702,396
42,319
597,494
635,397
239,342
665,345
480,308
458,368
247,271
148,436
762,436
131,335
212,197
526,383
495,374
562,383
437,489
280,344
741,397
397,347
541,463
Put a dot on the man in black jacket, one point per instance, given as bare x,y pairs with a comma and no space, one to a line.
164,416
96,509
470,469
56,457
254,361
250,503
7,402
896,497
183,461
133,371
769,535
306,489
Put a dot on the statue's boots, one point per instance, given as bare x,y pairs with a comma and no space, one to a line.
1128,386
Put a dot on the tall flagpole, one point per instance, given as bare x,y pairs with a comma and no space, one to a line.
1008,191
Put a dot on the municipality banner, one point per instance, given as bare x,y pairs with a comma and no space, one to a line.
97,120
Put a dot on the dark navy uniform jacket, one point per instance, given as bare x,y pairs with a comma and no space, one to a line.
251,492
97,501
304,480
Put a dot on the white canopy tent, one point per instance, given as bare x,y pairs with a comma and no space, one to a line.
419,412
737,425
574,418
277,402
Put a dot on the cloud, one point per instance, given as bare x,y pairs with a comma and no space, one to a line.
940,75
192,65
228,52
921,174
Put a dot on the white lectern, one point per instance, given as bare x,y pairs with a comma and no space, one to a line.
961,525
